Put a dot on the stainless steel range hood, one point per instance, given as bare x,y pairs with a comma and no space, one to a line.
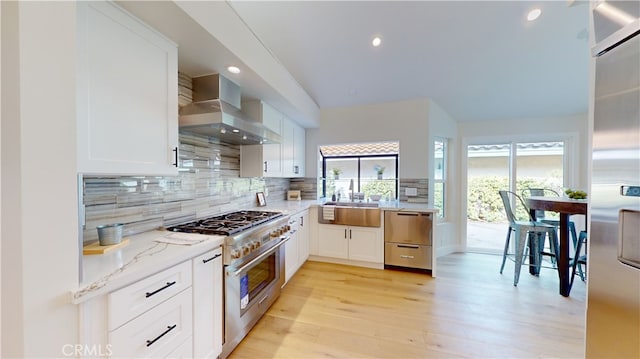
215,112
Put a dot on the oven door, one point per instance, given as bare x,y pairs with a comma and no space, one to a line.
249,292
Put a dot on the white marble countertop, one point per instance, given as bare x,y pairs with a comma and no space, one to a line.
142,257
291,207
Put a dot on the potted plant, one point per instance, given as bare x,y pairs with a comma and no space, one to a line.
379,170
336,173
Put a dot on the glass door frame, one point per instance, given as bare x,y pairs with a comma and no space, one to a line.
570,168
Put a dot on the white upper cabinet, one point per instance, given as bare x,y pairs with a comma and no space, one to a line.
127,94
262,160
293,142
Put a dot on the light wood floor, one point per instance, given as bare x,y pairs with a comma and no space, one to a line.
469,310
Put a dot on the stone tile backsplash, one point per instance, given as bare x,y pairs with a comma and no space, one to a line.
308,187
422,186
208,184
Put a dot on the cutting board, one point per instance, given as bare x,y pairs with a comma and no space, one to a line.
96,248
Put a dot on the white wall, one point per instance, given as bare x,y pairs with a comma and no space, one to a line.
39,202
404,121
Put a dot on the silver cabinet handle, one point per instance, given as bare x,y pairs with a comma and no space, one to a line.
405,256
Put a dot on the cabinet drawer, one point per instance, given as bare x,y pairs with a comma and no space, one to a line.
156,333
184,351
407,255
129,302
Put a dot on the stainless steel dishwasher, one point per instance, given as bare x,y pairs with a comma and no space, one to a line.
408,239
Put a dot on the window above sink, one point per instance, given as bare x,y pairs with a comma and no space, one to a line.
373,167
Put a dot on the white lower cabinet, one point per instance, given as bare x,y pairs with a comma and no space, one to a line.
303,236
157,332
291,257
176,313
297,248
137,298
207,304
184,351
350,242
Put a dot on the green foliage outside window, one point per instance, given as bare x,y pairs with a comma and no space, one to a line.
383,188
484,203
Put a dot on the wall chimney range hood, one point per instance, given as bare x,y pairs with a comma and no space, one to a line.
215,112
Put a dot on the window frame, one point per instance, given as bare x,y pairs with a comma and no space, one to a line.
442,214
357,181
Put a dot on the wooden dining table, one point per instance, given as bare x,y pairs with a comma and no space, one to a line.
565,207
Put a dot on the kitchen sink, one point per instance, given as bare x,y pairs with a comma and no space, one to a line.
361,214
352,204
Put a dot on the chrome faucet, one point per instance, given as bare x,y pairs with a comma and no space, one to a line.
351,189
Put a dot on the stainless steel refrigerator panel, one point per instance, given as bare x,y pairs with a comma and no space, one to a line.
611,16
628,238
613,299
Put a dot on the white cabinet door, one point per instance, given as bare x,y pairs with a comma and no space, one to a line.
293,142
262,160
263,113
129,302
299,143
354,243
333,241
366,244
157,332
303,236
291,261
127,94
288,132
272,160
207,304
184,351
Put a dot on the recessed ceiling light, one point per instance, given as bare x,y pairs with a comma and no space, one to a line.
534,14
235,130
376,41
233,69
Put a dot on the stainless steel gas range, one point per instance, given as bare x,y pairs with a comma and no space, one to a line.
254,265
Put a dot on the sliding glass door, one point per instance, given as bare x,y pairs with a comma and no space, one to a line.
510,166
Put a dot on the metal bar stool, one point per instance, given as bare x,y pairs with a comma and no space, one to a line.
579,260
541,217
524,230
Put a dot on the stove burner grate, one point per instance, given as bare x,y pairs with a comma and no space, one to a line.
227,224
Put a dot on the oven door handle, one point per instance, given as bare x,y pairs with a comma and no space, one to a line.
261,257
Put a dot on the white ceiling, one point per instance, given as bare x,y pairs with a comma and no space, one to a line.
479,60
